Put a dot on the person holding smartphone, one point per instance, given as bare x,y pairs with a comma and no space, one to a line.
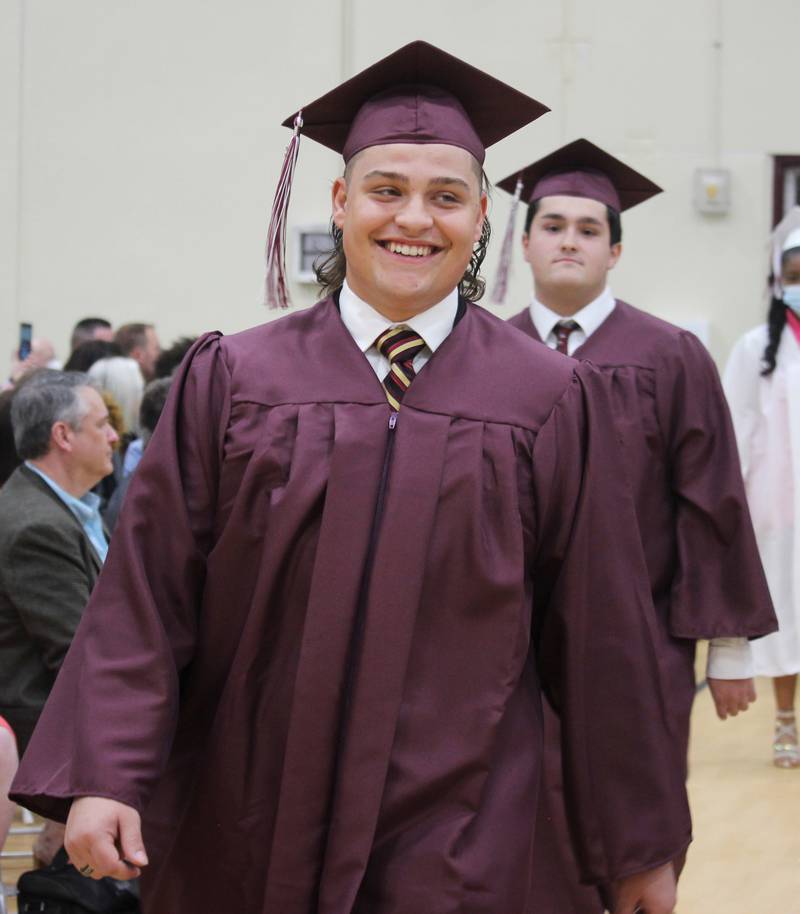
31,354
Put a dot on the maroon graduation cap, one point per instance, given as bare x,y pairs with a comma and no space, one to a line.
418,94
579,169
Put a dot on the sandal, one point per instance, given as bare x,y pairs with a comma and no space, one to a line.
785,750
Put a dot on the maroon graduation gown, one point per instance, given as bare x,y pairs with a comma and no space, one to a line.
309,659
705,572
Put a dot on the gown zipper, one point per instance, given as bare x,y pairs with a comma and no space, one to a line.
358,626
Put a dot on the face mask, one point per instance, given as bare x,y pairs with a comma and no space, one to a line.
791,298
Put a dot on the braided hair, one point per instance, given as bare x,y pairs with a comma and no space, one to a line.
776,321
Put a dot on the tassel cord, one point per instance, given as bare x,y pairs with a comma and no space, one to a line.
276,282
506,250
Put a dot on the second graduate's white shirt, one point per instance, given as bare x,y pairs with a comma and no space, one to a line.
588,320
728,658
365,325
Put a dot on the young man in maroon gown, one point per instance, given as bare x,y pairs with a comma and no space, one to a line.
313,663
679,451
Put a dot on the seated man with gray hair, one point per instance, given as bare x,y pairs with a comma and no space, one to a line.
52,542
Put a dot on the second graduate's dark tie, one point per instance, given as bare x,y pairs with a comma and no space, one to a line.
400,345
563,330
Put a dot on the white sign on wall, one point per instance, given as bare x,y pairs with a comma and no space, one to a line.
311,242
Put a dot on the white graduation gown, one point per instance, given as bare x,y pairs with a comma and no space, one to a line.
766,417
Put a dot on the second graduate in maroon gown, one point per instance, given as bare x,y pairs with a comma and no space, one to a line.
679,451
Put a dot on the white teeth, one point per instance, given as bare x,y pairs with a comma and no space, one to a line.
409,250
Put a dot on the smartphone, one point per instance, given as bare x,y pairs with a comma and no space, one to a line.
25,341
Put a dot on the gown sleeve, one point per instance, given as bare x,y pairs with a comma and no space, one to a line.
109,722
725,593
596,646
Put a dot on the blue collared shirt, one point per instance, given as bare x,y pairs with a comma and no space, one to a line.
86,509
133,455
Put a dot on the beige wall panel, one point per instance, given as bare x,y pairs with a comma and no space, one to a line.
151,152
760,75
10,64
151,145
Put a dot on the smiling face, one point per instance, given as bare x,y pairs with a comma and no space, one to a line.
410,216
569,251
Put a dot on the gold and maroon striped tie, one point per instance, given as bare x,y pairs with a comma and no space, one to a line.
400,345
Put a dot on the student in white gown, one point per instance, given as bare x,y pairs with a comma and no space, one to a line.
762,381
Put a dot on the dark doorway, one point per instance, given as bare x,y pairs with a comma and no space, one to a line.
785,186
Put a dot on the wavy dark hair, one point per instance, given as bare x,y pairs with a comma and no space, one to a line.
330,268
776,321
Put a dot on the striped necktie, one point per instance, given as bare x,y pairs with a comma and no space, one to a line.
400,345
563,330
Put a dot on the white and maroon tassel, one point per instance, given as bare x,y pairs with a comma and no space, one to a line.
277,285
504,266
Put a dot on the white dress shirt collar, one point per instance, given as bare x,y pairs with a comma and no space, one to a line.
365,324
589,318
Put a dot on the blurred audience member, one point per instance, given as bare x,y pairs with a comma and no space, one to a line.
170,358
42,355
9,460
90,328
85,355
115,418
155,396
9,761
107,486
52,543
122,378
139,342
761,384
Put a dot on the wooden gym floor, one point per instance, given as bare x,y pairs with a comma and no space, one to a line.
745,858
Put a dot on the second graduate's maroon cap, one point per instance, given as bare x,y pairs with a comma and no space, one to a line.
418,94
581,169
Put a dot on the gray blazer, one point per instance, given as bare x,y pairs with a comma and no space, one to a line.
48,567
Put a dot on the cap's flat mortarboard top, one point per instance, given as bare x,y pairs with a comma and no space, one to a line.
581,169
418,94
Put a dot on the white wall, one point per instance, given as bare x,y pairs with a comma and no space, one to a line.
10,65
139,142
